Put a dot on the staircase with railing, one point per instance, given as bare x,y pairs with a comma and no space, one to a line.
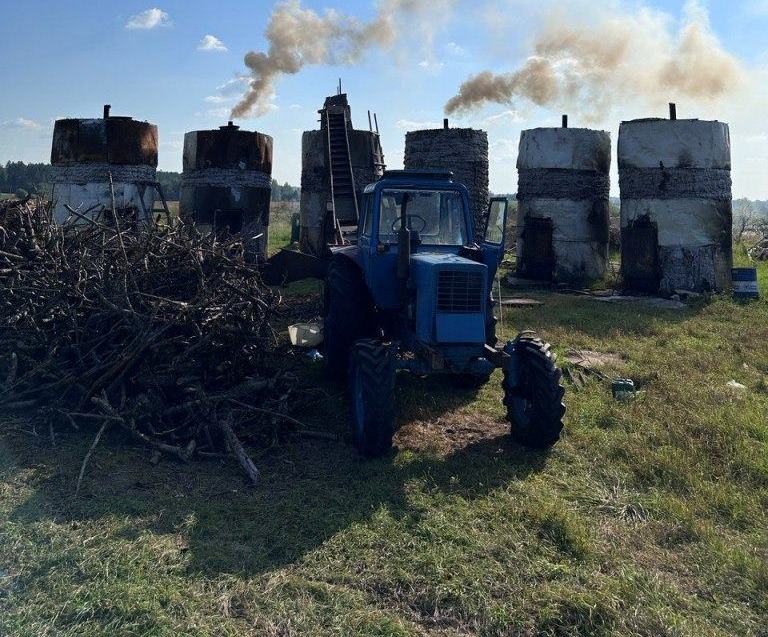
342,179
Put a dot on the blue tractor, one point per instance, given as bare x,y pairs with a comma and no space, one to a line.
414,294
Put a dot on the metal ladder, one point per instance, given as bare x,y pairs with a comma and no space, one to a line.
343,196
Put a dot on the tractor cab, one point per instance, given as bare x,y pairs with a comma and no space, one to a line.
412,220
414,294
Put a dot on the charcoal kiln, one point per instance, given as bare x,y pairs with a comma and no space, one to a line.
101,163
676,209
563,207
226,185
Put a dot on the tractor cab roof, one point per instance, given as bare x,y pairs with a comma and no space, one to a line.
421,178
421,173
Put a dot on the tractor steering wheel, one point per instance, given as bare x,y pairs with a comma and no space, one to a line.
410,224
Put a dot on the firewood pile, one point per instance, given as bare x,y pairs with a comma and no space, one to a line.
155,329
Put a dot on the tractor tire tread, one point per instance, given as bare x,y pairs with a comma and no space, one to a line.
548,392
376,364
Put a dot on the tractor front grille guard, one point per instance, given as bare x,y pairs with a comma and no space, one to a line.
459,292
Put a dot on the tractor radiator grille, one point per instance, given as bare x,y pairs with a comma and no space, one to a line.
459,292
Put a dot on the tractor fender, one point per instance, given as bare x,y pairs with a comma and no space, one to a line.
348,256
511,364
352,253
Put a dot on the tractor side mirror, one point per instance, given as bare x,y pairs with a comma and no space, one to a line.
495,225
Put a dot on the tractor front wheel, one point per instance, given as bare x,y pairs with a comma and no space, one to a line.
372,396
533,393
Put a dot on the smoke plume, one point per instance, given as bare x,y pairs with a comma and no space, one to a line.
593,67
298,37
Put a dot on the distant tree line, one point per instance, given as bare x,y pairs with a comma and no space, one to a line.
286,192
36,179
170,182
171,185
31,178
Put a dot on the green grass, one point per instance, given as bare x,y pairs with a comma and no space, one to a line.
280,224
648,518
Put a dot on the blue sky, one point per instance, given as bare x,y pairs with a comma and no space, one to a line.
67,59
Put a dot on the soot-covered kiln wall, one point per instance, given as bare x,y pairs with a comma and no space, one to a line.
676,210
563,209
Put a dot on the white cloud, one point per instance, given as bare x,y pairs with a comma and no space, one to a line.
149,19
235,86
228,92
455,49
503,150
21,122
218,112
295,107
431,65
212,43
408,124
505,117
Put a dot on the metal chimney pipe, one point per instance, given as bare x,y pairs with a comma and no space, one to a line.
106,110
672,111
445,123
565,121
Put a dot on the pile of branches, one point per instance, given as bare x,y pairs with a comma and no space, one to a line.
153,328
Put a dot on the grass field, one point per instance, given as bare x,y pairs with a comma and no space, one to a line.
648,518
280,224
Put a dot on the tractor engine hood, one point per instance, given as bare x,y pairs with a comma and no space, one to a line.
451,295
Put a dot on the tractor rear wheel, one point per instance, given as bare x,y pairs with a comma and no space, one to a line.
349,314
372,396
533,393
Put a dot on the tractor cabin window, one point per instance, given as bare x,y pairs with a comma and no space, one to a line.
368,220
437,215
494,229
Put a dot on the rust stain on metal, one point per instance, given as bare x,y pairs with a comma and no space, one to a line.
116,140
229,147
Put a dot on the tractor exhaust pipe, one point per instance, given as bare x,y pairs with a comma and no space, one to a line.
404,250
403,254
